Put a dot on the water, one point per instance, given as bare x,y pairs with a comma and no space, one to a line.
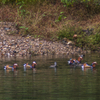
66,84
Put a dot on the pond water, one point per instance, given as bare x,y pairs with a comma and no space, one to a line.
46,84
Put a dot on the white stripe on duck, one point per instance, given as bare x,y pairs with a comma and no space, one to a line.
85,65
7,67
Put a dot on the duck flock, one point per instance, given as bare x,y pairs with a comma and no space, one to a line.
71,62
26,66
77,63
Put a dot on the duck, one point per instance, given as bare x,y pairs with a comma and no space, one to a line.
80,58
14,67
74,61
71,61
54,66
92,66
27,66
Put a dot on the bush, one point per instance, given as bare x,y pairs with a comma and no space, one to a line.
32,2
83,40
71,2
97,38
67,33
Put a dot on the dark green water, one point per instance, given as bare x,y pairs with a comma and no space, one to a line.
66,84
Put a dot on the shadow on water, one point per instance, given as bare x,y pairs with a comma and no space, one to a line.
66,83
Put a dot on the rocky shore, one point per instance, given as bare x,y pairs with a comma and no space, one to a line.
25,46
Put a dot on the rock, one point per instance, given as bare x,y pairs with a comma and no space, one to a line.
75,36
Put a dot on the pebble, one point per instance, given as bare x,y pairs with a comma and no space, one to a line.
23,46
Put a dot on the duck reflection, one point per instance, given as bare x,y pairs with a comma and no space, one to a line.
7,72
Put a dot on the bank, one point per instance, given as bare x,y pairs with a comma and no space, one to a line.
16,45
49,24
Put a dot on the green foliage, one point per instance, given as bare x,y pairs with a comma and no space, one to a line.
4,1
83,40
26,28
33,2
20,9
68,2
60,17
71,2
68,33
89,42
97,38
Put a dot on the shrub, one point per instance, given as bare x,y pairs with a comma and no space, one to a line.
97,38
67,33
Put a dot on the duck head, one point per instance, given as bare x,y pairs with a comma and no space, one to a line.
15,65
34,62
71,60
80,58
94,64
